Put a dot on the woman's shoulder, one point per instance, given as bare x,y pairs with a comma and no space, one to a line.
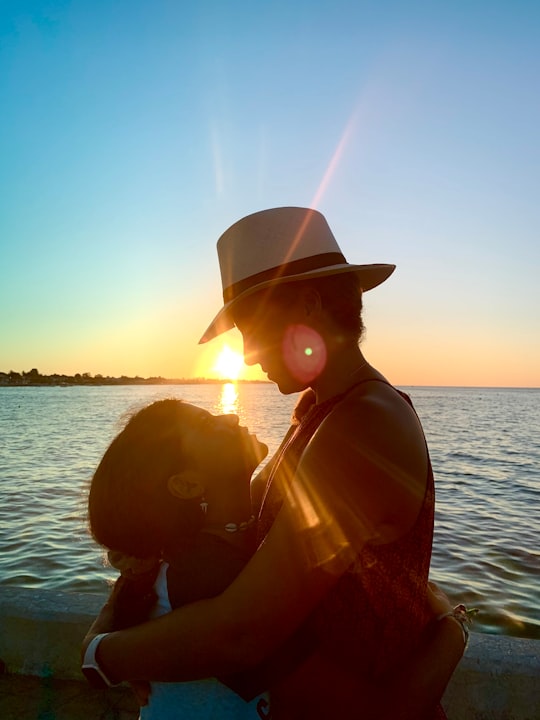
374,412
372,444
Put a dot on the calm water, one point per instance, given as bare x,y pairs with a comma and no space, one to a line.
484,443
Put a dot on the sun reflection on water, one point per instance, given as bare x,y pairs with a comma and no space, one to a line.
228,400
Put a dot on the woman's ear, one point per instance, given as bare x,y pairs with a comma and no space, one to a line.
312,301
187,485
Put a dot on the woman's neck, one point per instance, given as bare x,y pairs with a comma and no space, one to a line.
344,369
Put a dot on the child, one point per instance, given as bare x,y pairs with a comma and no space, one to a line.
171,502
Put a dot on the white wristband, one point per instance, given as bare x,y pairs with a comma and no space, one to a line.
90,666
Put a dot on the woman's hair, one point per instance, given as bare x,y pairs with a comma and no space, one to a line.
129,506
341,297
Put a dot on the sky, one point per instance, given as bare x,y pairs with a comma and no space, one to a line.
132,134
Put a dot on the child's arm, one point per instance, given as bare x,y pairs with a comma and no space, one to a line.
133,597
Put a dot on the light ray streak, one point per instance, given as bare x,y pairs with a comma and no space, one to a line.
218,160
328,174
335,159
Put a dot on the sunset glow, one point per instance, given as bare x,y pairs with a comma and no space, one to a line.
229,364
394,153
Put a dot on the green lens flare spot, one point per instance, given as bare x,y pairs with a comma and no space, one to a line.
308,351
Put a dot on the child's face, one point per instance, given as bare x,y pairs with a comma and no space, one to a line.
218,447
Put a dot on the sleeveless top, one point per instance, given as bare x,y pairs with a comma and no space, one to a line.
373,617
206,699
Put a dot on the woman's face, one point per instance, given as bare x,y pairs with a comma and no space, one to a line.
217,446
277,337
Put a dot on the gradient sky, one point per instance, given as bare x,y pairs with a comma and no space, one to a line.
132,134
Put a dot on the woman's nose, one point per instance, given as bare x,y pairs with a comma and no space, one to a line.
250,352
230,419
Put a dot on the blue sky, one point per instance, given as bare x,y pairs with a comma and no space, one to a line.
132,134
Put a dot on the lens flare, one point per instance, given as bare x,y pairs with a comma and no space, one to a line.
304,352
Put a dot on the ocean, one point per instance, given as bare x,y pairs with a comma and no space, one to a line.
484,445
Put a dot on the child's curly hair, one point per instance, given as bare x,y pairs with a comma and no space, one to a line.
129,507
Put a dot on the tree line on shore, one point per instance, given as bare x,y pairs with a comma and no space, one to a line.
34,377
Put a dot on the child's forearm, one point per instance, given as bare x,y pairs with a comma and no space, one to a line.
422,680
133,599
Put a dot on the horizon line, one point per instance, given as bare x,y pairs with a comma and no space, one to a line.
160,380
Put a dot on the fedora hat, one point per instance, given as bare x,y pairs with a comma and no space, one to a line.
275,246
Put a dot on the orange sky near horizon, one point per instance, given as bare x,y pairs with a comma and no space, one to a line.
165,344
422,363
407,348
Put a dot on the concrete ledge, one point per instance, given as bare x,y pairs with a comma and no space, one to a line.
497,679
41,633
26,697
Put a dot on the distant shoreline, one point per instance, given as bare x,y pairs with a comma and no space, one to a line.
35,379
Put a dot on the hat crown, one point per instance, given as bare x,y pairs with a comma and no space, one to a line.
271,239
279,245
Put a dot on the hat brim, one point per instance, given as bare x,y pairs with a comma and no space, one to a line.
370,276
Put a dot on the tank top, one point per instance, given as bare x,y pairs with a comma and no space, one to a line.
372,619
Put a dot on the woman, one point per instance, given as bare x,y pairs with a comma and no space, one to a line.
345,508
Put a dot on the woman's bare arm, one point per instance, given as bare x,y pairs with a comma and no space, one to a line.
271,597
233,631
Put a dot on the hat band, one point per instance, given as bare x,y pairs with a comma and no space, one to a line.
296,267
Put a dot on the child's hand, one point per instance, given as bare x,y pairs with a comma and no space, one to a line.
438,601
133,597
129,565
141,690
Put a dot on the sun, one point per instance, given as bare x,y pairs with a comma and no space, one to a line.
229,364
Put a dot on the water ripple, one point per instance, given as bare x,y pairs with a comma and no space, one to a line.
484,445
